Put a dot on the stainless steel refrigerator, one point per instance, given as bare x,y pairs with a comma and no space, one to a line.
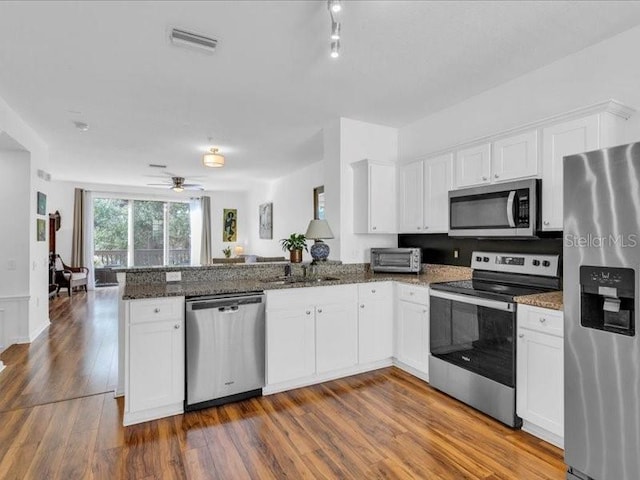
602,348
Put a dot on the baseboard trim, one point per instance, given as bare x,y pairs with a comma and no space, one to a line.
326,377
543,434
38,331
411,370
131,418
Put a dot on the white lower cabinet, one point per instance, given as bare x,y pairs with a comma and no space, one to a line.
375,321
291,345
412,329
154,359
310,332
540,373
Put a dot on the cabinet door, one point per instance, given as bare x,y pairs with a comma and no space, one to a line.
336,336
540,380
515,157
413,335
382,199
411,198
473,166
375,330
290,344
438,180
156,364
559,141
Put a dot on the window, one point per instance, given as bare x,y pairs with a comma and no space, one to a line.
139,233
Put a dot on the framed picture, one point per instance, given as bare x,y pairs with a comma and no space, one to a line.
266,221
41,230
318,203
42,203
229,225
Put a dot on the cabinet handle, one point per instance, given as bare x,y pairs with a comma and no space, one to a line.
484,178
373,228
546,222
542,319
373,290
496,176
308,312
418,228
411,293
156,310
362,305
177,326
426,227
521,335
424,311
319,310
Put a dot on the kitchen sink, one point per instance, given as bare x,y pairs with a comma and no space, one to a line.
288,280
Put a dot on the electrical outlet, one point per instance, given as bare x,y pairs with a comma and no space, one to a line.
456,252
11,265
174,276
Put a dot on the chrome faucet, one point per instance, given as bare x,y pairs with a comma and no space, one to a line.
287,270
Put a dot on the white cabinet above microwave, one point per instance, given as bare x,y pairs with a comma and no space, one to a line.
505,159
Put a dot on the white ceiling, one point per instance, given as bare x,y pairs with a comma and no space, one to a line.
271,86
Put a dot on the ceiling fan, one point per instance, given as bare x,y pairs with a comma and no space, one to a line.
177,184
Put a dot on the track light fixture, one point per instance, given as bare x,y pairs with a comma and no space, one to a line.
334,7
335,49
335,30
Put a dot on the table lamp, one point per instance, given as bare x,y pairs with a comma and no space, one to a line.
318,230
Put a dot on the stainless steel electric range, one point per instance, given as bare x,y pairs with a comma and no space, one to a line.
472,329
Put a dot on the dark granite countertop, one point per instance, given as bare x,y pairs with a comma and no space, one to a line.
443,273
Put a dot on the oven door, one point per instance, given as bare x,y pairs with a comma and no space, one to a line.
474,333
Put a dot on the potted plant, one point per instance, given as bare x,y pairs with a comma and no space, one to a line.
227,252
294,244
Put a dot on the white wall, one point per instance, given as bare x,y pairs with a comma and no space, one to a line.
605,70
359,140
292,198
14,211
30,318
61,199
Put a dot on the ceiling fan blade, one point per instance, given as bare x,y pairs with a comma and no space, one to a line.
159,184
193,187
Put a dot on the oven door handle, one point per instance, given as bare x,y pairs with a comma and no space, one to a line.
510,216
481,302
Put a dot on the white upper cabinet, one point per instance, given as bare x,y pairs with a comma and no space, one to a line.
374,197
515,157
411,191
473,166
424,200
438,180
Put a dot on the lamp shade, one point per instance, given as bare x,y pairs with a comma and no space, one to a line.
318,229
213,159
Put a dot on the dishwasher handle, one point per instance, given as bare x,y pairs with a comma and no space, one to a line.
231,309
222,304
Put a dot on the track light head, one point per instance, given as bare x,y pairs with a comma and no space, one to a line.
335,30
335,49
335,6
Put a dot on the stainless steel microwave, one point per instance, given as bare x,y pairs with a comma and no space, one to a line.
502,210
396,260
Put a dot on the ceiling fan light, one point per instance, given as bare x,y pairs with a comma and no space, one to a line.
213,159
177,189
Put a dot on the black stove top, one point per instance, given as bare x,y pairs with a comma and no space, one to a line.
486,289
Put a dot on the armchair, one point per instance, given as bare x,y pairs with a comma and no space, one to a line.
69,277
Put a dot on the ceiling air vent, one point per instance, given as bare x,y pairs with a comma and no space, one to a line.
183,38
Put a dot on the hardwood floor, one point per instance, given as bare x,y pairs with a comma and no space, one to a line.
383,424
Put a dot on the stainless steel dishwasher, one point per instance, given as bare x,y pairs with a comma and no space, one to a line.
225,349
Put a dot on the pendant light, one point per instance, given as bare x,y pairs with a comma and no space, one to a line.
213,159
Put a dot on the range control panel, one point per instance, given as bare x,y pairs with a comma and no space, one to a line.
529,264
